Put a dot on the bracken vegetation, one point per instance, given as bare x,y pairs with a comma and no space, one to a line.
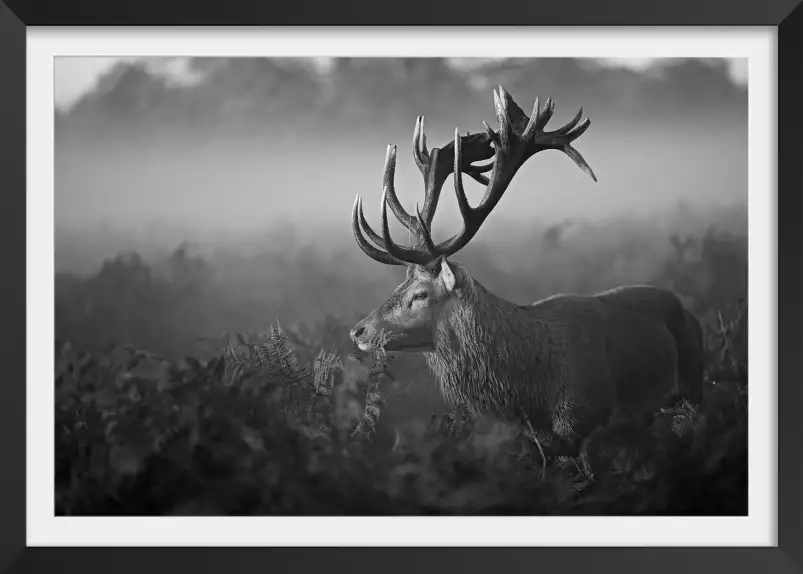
154,417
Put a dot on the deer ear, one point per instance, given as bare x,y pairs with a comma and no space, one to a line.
448,276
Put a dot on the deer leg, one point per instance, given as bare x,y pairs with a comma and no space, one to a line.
575,431
592,447
583,455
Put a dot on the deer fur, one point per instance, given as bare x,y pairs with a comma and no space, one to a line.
568,364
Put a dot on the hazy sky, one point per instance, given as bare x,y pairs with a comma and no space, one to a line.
74,76
254,146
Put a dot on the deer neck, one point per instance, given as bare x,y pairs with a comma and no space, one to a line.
483,345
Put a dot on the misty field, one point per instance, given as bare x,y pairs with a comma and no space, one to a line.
206,281
223,381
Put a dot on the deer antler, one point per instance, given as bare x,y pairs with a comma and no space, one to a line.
518,139
435,167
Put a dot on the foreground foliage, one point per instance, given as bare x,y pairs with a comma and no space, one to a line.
288,422
255,431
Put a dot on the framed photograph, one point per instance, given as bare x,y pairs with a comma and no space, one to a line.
368,286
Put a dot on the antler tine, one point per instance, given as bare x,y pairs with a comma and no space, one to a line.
543,116
561,139
389,177
570,125
459,241
372,235
425,236
397,252
435,166
578,159
367,248
475,172
500,103
462,200
576,132
420,153
472,217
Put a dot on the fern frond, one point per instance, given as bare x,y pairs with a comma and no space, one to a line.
373,398
325,367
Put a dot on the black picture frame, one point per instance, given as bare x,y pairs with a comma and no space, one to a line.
16,15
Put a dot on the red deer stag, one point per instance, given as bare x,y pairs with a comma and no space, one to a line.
566,365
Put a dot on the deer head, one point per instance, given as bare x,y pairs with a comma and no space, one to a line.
433,287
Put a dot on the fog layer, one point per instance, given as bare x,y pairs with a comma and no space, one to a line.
255,145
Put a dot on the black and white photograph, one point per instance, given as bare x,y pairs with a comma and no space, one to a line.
400,286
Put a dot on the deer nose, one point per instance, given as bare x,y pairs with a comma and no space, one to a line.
357,331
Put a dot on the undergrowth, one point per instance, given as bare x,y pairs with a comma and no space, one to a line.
255,430
288,421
